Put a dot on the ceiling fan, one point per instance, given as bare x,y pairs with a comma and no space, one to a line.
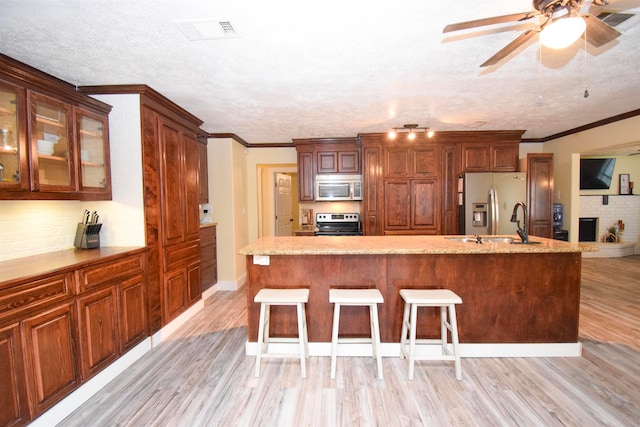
555,14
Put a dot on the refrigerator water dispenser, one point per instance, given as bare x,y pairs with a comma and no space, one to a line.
479,215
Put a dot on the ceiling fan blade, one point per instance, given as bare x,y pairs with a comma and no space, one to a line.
522,39
598,32
489,21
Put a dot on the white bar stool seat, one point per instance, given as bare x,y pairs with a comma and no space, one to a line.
356,297
443,298
268,297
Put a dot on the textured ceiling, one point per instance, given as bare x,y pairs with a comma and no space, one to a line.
298,69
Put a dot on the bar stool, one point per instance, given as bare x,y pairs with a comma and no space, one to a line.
443,298
356,297
268,297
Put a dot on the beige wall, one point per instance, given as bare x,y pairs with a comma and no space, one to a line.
567,152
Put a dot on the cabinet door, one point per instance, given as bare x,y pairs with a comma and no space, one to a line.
540,192
194,281
13,393
93,140
204,173
349,161
424,205
52,160
133,311
396,162
305,176
372,181
327,162
172,185
475,158
191,188
99,338
13,147
426,162
504,158
449,199
51,356
397,205
175,293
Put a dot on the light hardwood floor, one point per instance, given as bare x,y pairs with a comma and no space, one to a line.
201,377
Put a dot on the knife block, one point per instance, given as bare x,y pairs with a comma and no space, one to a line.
87,236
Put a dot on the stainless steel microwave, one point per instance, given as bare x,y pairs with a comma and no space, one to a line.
331,188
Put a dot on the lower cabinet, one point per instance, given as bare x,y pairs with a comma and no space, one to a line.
208,253
86,319
14,409
99,338
52,361
411,206
182,278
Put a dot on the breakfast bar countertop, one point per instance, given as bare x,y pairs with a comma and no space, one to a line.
402,245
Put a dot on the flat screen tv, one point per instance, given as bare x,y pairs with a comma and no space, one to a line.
596,174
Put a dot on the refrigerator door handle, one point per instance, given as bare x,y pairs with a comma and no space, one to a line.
493,212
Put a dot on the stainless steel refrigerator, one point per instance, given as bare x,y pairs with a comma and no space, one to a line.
487,199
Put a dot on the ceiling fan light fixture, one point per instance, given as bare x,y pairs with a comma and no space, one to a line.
562,32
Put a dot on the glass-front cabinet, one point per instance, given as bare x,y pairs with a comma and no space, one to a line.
13,157
52,160
94,152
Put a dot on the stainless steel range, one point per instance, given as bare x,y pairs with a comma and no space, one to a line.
337,224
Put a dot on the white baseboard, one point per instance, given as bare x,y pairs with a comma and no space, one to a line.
466,350
66,406
231,285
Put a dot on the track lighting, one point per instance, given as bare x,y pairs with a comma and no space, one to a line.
411,130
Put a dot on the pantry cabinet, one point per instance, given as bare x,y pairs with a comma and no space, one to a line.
54,140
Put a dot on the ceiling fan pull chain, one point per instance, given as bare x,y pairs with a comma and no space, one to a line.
586,71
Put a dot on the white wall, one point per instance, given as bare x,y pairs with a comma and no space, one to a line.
34,227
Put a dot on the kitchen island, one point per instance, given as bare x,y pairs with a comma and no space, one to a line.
513,294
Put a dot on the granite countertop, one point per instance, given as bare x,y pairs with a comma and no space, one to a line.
36,265
400,245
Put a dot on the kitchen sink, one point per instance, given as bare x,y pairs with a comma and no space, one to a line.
486,239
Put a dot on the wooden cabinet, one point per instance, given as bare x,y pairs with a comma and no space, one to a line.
55,140
411,187
208,253
99,337
52,366
540,194
325,156
488,157
450,173
14,408
372,187
334,160
203,167
14,172
65,324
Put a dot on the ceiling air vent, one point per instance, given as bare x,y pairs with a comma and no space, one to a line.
210,29
614,18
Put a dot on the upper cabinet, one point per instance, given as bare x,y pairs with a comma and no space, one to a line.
317,156
490,157
14,174
54,140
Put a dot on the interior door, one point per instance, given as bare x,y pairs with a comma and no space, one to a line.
284,217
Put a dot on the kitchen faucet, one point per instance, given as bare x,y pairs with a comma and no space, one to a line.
522,232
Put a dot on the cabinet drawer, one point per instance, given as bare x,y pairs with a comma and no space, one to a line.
177,255
96,275
35,294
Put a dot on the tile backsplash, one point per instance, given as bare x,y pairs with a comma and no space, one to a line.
625,208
